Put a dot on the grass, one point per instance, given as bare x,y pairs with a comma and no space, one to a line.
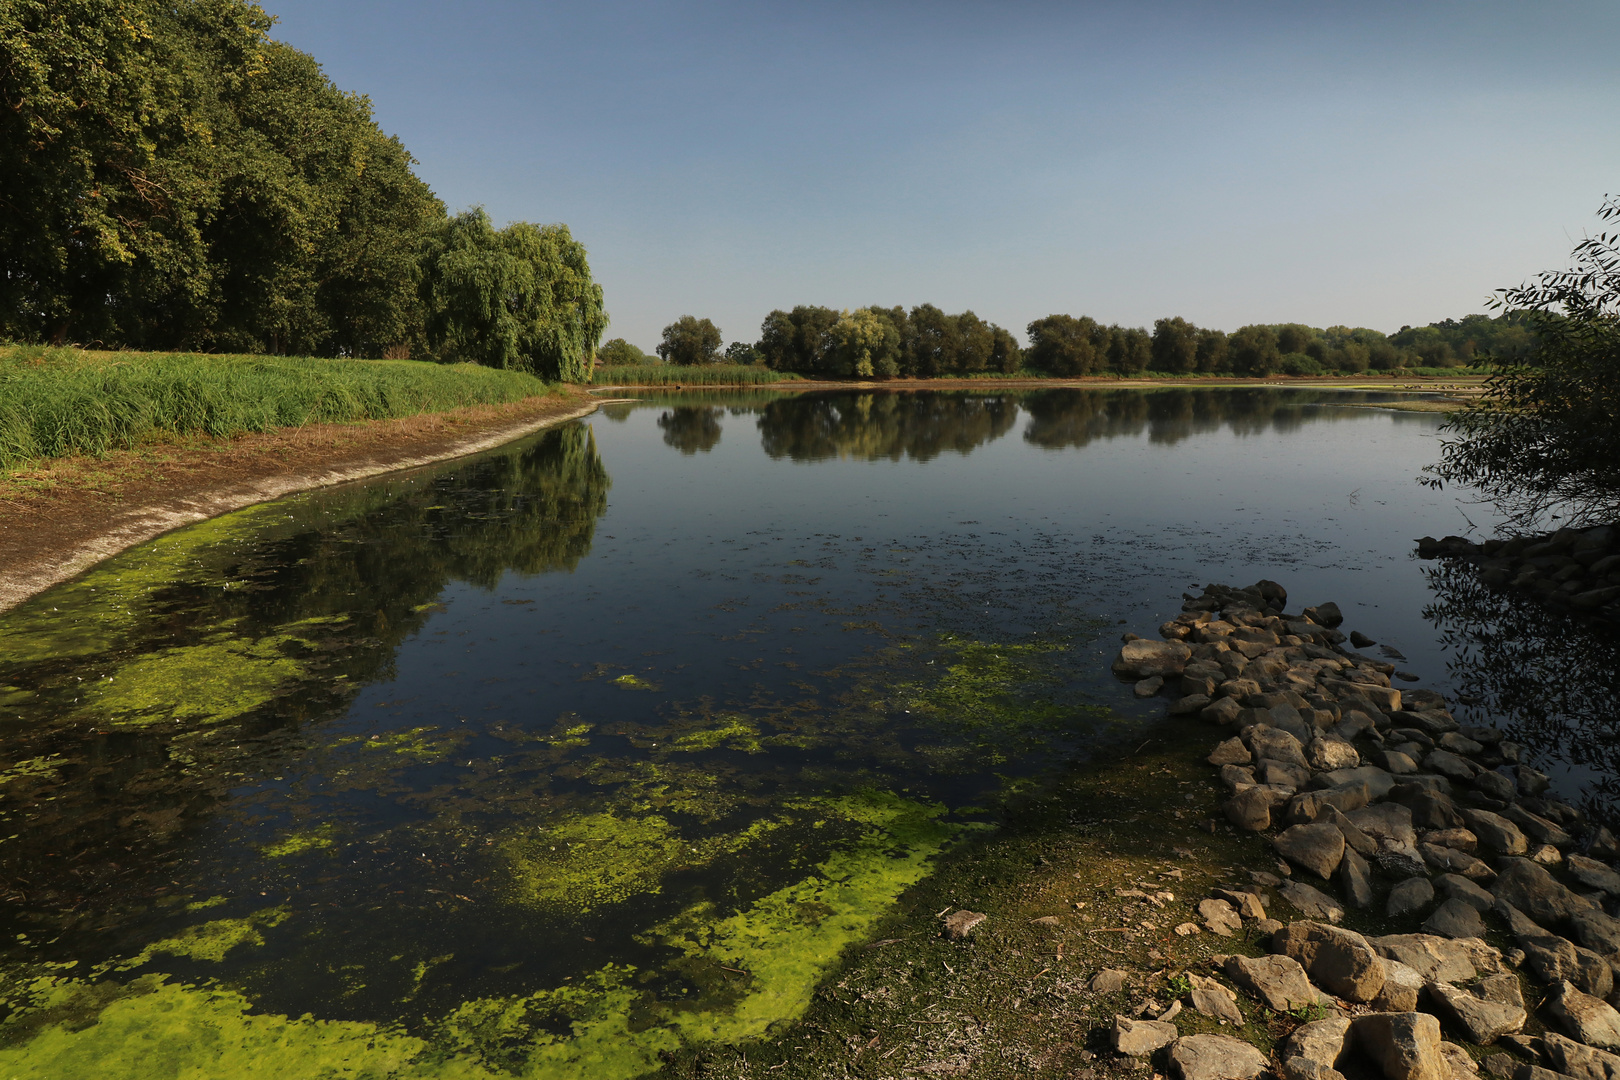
707,375
56,402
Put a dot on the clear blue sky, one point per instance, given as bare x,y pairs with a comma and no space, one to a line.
1365,163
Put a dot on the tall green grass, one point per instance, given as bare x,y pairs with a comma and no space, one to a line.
55,402
705,375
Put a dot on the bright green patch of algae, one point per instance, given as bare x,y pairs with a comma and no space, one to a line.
604,1027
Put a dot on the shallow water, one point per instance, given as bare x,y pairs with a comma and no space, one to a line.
545,761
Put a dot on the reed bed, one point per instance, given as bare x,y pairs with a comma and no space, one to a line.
705,375
59,401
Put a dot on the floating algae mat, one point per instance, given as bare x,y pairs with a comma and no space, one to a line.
503,768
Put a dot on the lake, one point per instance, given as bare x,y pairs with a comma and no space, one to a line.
545,761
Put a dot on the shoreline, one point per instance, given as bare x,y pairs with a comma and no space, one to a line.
49,537
1465,384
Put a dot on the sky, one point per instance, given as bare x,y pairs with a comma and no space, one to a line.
1360,163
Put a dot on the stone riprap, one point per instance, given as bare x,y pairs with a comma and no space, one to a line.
1573,569
1378,800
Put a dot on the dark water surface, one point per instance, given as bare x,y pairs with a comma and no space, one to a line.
542,762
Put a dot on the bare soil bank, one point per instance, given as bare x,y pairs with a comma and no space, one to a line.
63,516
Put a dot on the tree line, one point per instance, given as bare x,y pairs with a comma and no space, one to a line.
878,342
174,178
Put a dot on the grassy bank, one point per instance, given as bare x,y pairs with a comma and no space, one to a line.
58,402
668,375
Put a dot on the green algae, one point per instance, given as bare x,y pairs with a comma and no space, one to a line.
33,767
423,744
635,682
592,860
212,940
207,683
735,733
321,838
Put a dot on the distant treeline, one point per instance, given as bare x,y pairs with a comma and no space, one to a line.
173,178
877,342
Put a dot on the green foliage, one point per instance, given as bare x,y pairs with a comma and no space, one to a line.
1509,337
620,353
743,354
176,179
690,341
670,375
519,298
1544,441
877,342
61,401
1175,345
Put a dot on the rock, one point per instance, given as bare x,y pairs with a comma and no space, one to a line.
1535,892
1230,752
1393,761
1144,659
1219,918
1320,1041
1457,887
1310,902
1317,848
1354,838
1409,896
1400,860
1278,981
1212,999
1188,704
1603,844
1430,809
1338,960
1546,855
1401,990
1460,744
1574,1059
1537,828
1435,959
1327,754
1531,782
1360,640
1596,931
1138,1038
1552,959
1215,1057
1451,861
1236,777
1448,764
1455,919
959,924
1327,614
1496,831
1379,783
1266,741
1313,805
1107,981
1149,687
1494,785
1250,809
1590,1020
1223,710
1456,839
1245,903
1385,821
1593,874
1486,1010
1282,774
1457,1060
1406,1045
1355,877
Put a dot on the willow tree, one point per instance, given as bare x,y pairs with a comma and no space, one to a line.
1544,439
520,298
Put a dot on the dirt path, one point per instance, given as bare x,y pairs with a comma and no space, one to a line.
64,516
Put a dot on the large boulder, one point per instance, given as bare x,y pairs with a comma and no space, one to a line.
1215,1057
1338,960
1214,1000
1402,987
1267,742
1385,821
1311,903
1412,895
1406,1045
1593,874
1144,659
1552,959
1486,1010
1278,981
1578,1060
1317,848
1534,891
1495,831
1313,1050
1436,959
1455,919
1591,1020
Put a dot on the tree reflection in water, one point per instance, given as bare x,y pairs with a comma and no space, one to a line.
1543,676
691,429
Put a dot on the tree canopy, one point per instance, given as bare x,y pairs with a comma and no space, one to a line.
1544,441
884,342
690,341
174,178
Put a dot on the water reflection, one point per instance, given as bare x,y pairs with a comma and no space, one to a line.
1547,677
691,429
870,427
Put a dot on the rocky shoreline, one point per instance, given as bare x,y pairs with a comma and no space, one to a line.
1379,804
1571,569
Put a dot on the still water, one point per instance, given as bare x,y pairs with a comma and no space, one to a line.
545,761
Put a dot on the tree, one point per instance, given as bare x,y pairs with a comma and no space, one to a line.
740,352
1212,354
1129,350
620,353
1254,350
689,341
1175,345
1063,345
519,297
1005,355
1544,439
865,344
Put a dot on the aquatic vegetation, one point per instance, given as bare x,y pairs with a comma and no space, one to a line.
634,682
592,860
212,940
735,733
317,839
207,683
